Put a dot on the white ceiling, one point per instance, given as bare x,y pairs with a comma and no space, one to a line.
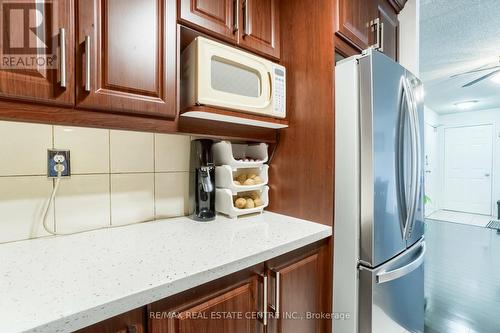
456,36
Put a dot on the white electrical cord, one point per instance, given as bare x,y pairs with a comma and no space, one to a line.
60,169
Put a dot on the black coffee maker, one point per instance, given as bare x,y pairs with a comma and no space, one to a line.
202,181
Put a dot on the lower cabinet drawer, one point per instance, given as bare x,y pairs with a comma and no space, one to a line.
130,322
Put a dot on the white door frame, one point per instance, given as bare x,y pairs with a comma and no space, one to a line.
493,175
436,166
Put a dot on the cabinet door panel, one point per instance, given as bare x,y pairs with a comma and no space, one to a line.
206,314
390,28
259,26
38,80
353,21
132,321
212,16
239,300
299,293
132,56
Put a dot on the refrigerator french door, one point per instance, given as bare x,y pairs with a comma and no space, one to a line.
378,231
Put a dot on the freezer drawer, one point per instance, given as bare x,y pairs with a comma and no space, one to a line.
391,297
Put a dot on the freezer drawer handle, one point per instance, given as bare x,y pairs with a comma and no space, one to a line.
384,277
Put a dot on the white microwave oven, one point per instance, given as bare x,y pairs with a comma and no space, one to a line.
217,75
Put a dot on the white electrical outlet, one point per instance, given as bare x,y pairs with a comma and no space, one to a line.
58,161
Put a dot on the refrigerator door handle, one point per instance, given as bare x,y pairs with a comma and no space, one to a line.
403,202
416,160
384,276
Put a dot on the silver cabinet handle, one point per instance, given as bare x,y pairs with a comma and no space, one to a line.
236,16
263,314
87,62
375,24
62,55
276,306
245,14
381,49
402,271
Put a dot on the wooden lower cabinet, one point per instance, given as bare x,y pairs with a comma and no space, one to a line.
290,291
295,298
224,312
130,322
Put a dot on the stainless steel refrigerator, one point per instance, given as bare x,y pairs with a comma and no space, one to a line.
379,242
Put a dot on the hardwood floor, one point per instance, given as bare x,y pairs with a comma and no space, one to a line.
462,278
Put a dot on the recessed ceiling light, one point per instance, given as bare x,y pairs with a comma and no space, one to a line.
496,78
465,105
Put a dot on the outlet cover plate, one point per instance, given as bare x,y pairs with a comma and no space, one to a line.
51,163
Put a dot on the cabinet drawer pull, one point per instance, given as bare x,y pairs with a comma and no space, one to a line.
375,25
381,37
245,15
276,306
87,62
263,313
236,15
132,329
62,55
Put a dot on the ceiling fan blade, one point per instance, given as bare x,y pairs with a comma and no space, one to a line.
474,71
484,77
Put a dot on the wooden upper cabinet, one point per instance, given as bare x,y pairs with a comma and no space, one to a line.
353,21
207,315
299,293
389,29
364,23
126,56
251,24
259,26
215,17
32,65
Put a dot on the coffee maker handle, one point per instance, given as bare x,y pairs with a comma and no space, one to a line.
206,182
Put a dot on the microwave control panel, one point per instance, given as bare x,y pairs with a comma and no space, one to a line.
279,94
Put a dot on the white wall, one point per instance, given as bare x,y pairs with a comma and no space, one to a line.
431,162
431,117
477,118
409,36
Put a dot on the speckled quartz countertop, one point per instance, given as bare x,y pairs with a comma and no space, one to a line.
64,283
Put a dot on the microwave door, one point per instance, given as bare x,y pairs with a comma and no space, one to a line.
228,78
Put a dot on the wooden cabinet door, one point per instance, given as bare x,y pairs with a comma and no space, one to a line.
31,47
130,322
353,21
295,289
215,17
126,56
217,314
389,29
259,26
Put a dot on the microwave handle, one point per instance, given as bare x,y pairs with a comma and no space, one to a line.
270,85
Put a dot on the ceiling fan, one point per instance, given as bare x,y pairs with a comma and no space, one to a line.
494,68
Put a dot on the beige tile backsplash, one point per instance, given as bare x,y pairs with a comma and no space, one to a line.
118,177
